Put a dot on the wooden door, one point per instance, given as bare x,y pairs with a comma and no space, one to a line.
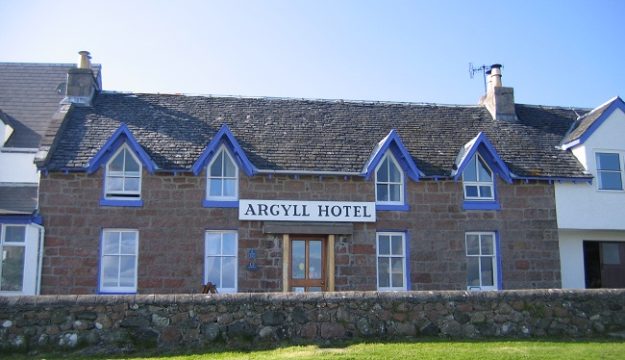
308,264
612,264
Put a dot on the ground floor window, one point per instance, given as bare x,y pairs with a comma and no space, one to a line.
13,250
391,261
118,263
604,264
482,269
221,260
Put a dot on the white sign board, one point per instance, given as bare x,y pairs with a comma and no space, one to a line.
326,211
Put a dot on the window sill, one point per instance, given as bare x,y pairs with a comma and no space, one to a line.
220,204
121,203
116,292
389,207
481,205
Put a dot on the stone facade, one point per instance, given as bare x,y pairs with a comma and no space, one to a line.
172,224
113,324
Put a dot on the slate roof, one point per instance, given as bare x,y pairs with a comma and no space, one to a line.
18,200
29,95
314,135
584,123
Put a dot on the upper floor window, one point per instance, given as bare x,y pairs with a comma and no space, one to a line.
482,269
478,180
123,175
223,177
389,182
609,171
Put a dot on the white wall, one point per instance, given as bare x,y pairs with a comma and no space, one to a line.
583,206
572,253
18,167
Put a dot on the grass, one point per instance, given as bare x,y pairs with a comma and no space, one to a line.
433,349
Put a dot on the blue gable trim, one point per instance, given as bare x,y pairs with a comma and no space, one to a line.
617,103
121,136
225,136
394,143
481,144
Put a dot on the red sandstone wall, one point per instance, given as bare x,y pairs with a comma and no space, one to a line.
172,224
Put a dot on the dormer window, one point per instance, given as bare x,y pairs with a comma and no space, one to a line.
478,180
223,177
123,175
389,181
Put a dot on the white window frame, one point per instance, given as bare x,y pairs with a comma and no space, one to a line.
494,257
225,151
388,183
4,244
221,255
621,171
118,289
478,183
123,194
389,256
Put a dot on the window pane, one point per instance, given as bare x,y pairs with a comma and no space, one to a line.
314,261
395,192
314,289
15,234
398,272
487,245
608,161
229,244
298,265
382,175
469,171
216,169
12,268
485,174
487,270
473,271
131,184
110,268
213,244
384,247
229,187
471,191
114,184
382,192
110,243
610,254
230,169
397,245
298,289
383,275
118,163
128,243
131,164
229,271
395,175
127,271
215,187
473,244
213,270
610,180
486,192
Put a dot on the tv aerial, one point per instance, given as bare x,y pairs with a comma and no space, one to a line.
483,69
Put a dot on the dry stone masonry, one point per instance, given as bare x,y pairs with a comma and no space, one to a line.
112,324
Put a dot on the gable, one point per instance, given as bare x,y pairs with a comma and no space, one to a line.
480,144
593,122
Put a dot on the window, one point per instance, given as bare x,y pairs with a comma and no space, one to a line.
609,171
221,260
223,177
391,261
118,263
478,180
482,273
389,182
123,176
13,250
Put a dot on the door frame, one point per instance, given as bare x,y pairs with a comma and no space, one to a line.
329,270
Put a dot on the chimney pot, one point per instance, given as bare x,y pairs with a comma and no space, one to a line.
84,61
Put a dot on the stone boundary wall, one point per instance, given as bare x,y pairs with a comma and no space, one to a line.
110,324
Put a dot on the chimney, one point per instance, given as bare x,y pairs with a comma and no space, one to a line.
499,100
81,82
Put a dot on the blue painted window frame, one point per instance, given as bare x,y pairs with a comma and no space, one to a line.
221,201
119,290
118,201
476,203
400,205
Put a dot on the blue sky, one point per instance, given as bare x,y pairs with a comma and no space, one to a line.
566,52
